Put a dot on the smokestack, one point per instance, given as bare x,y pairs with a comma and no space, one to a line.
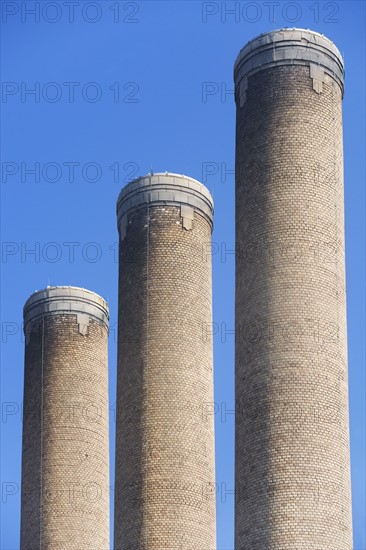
165,478
292,436
65,462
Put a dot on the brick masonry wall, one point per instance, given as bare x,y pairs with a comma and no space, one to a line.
292,436
65,461
165,492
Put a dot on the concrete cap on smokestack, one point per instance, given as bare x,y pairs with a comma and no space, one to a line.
165,189
290,47
63,300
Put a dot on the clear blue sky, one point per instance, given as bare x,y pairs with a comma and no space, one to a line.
122,88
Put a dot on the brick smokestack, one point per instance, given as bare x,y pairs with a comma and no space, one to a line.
292,434
165,478
65,462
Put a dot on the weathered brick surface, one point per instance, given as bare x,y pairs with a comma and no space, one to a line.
165,496
292,437
65,462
